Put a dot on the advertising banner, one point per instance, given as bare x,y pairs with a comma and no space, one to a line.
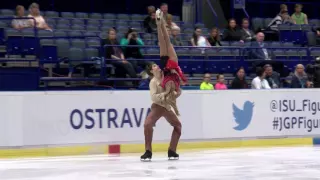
248,113
101,116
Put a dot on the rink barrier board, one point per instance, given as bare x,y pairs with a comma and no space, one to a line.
157,147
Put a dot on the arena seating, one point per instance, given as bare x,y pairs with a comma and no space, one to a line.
77,36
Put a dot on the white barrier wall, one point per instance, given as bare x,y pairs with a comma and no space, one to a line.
67,117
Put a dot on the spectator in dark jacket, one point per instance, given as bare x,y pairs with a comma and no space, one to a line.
149,22
272,77
232,33
300,78
214,38
247,34
239,82
123,66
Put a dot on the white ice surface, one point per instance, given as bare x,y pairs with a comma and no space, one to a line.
300,163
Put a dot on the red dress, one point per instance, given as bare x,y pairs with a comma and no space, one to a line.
175,77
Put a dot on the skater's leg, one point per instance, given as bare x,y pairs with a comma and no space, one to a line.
170,50
152,118
162,43
176,133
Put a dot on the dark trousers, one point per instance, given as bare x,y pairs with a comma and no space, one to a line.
122,69
156,113
139,63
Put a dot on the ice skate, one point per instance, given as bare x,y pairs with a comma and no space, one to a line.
159,15
172,155
147,156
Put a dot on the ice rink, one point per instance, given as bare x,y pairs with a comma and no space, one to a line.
294,163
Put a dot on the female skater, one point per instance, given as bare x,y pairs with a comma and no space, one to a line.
164,90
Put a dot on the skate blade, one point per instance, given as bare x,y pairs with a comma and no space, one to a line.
145,160
173,158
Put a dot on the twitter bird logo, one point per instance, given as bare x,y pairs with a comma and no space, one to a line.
243,117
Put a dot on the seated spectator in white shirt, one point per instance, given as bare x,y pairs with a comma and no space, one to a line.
260,82
198,40
35,13
20,23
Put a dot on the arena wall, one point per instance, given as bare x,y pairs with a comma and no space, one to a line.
98,122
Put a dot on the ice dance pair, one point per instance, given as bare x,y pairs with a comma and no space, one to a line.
164,91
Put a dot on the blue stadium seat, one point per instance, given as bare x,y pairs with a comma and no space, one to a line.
63,46
48,51
78,43
108,23
95,43
285,32
73,34
124,17
197,56
67,15
62,21
199,25
7,12
77,28
63,27
79,22
51,14
93,22
138,17
257,23
60,33
91,53
81,15
109,16
30,42
93,28
14,41
152,54
184,57
95,16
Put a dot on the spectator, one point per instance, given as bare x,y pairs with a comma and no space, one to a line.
123,66
282,18
175,39
299,17
260,82
232,33
272,77
214,38
170,24
131,38
149,22
300,78
247,34
239,82
20,23
35,13
263,56
260,52
206,85
198,40
220,83
318,36
164,9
